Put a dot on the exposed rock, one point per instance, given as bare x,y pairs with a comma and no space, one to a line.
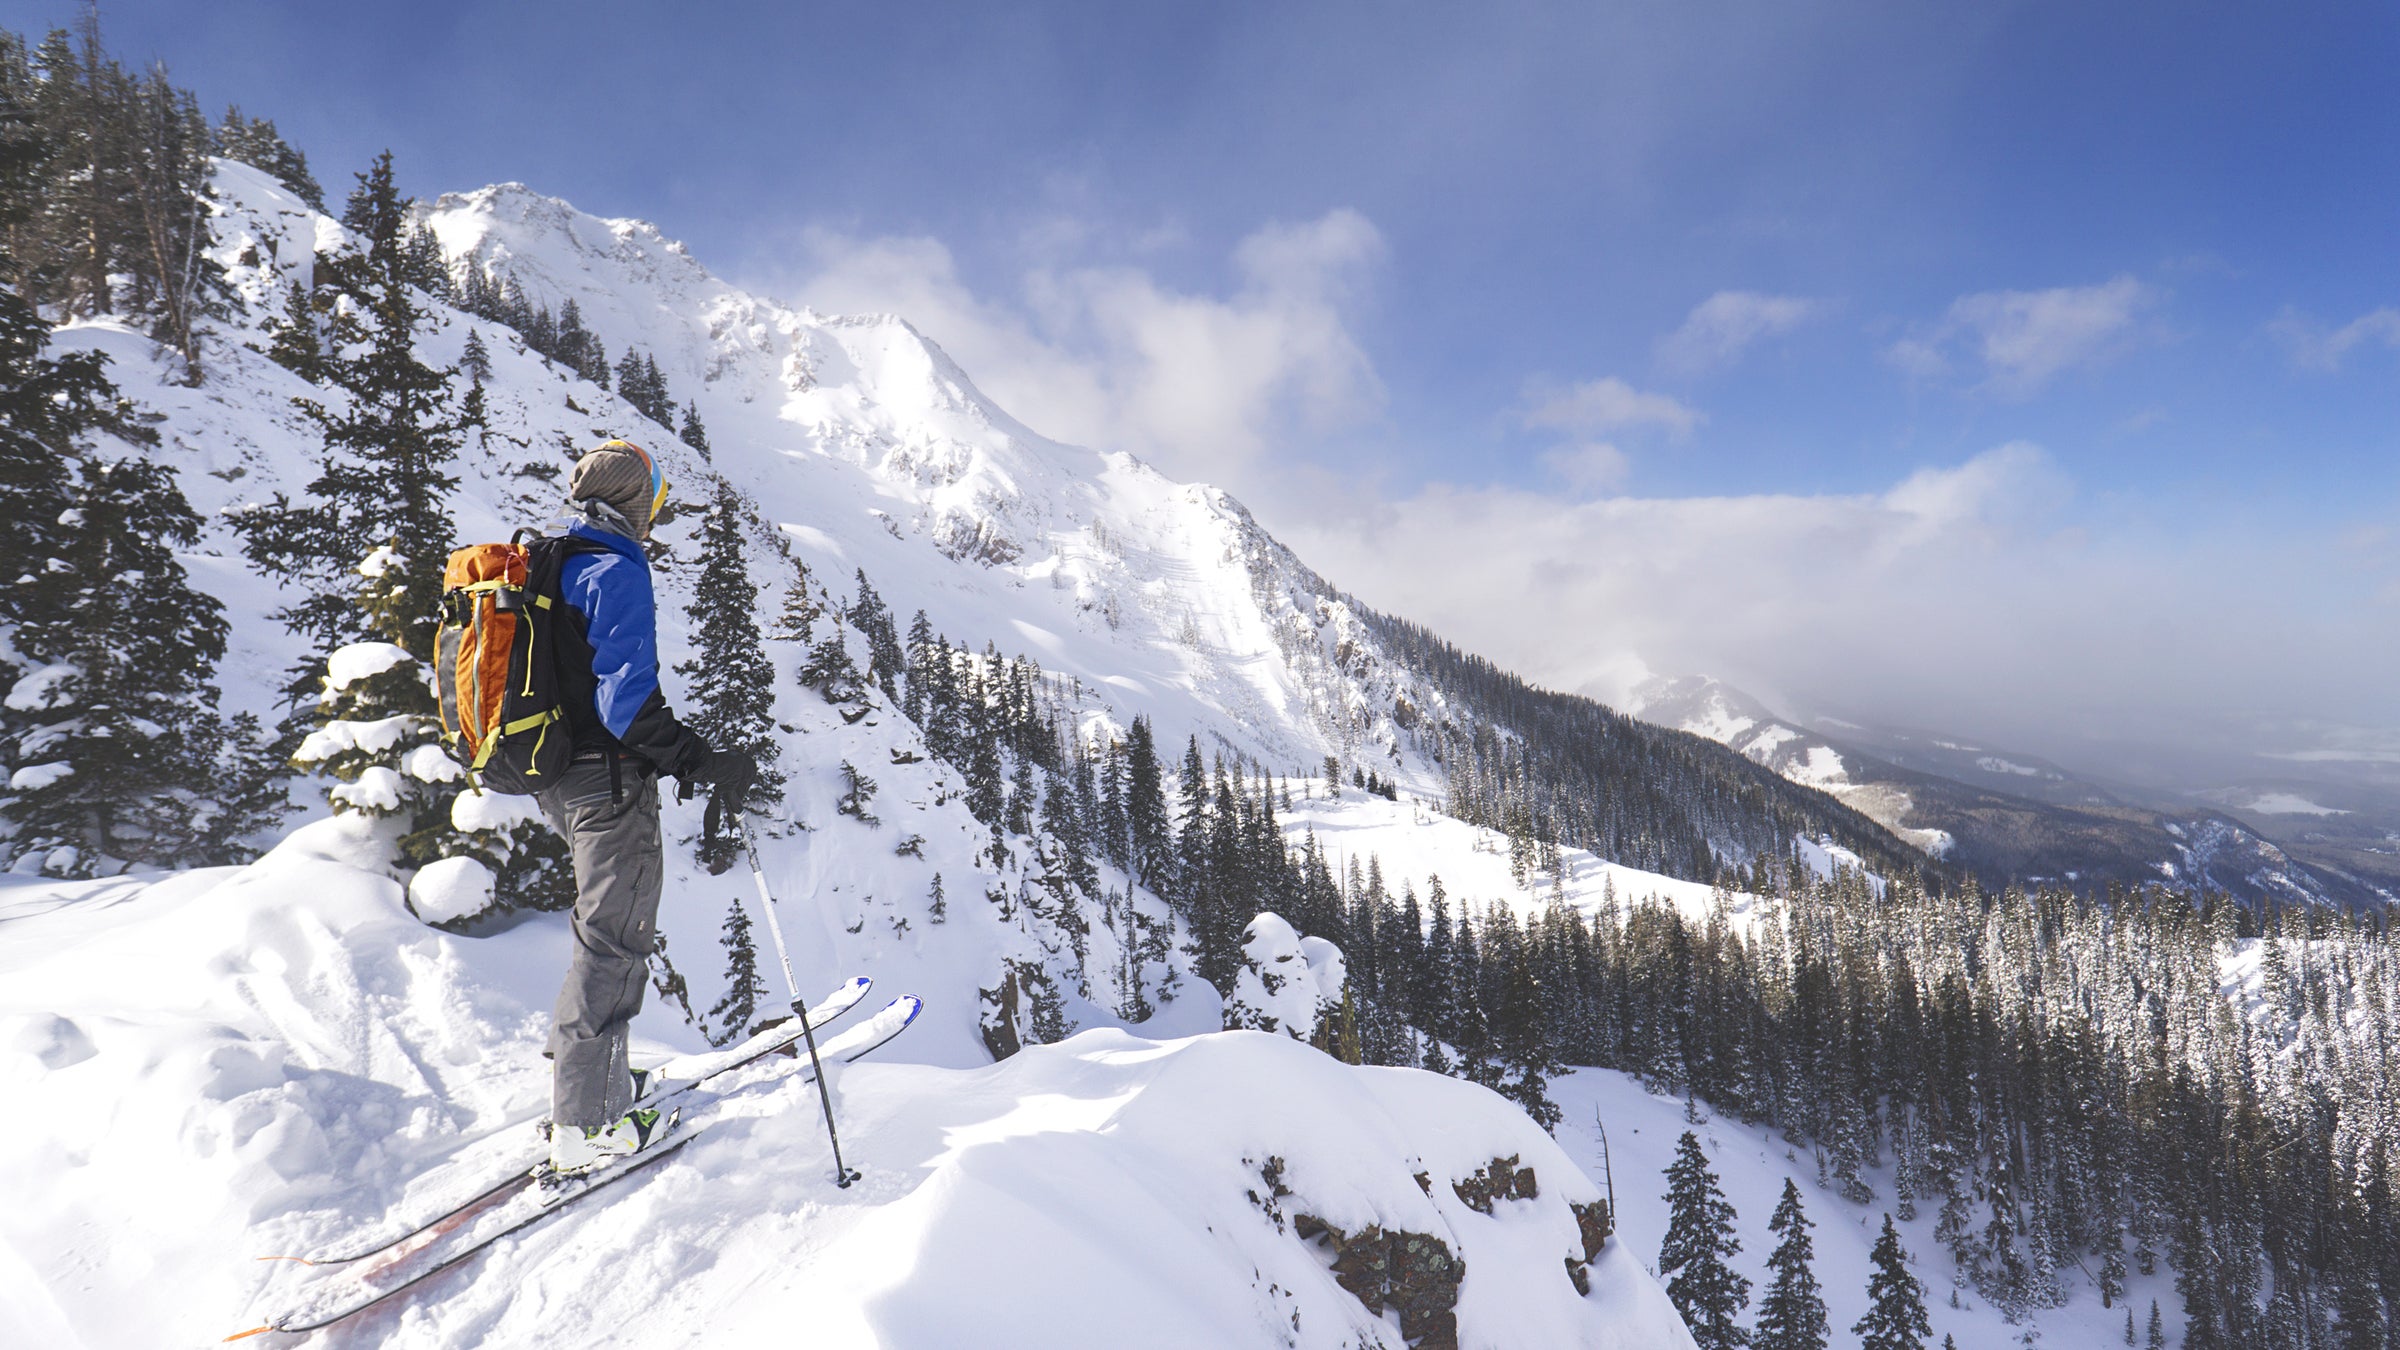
1414,1274
1593,1224
1501,1179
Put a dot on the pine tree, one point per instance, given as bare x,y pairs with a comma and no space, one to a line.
294,340
389,437
1895,1317
379,511
2157,1337
732,682
1149,838
873,620
476,361
694,434
744,991
26,151
85,235
1018,816
476,365
255,142
1520,1022
828,668
1699,1242
106,741
109,189
252,786
1792,1314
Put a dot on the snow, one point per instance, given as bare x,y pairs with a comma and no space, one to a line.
450,888
361,661
35,777
432,764
498,812
2290,804
42,688
339,738
376,789
1752,1164
1278,988
1822,767
378,561
1995,764
280,1058
1327,965
1414,845
1826,859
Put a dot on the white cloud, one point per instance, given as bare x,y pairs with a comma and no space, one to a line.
1108,356
1721,327
1590,466
1964,597
1606,404
2024,338
2314,347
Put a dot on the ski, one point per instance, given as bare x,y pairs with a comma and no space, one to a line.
690,1072
552,1194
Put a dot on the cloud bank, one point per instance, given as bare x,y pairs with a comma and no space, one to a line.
1963,598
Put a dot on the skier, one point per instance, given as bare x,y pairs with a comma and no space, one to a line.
606,807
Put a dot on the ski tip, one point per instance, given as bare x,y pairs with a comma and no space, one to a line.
245,1335
297,1260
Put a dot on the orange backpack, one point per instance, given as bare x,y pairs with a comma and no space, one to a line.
496,664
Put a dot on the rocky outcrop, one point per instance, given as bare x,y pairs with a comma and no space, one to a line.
1413,1274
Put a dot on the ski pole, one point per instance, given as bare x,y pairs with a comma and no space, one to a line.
842,1176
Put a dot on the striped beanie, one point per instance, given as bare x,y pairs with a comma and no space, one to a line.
619,473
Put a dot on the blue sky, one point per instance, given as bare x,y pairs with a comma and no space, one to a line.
2122,274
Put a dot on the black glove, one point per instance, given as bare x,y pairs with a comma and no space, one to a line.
729,774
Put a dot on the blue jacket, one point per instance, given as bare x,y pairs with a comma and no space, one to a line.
614,616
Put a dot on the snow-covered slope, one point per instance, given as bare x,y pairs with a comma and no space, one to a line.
1724,714
870,446
279,1058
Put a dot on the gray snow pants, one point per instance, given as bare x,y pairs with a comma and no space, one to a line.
618,867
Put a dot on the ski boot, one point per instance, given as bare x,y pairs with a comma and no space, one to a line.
575,1150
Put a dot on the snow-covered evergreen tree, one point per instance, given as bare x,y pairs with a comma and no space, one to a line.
733,1016
389,435
256,142
732,683
1693,1257
1895,1317
1276,988
109,769
1791,1314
